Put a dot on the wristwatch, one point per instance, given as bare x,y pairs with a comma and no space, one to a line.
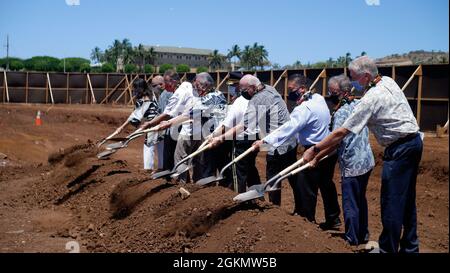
316,149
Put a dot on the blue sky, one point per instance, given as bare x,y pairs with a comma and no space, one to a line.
305,30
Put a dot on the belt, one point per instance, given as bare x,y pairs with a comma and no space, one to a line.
404,139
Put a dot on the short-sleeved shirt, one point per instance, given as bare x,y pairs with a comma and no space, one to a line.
385,110
265,113
235,114
164,100
180,102
355,155
144,110
207,111
309,123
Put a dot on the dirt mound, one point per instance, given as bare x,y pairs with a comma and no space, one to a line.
207,221
73,154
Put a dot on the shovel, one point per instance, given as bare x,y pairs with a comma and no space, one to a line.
103,140
257,191
123,142
181,166
112,148
212,179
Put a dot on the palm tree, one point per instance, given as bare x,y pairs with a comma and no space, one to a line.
348,58
297,65
215,59
140,54
127,51
97,55
363,53
151,55
247,58
234,52
260,55
115,51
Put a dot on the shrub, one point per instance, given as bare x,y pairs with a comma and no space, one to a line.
183,68
164,67
148,68
201,69
107,68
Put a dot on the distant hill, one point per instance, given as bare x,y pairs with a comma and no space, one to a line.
415,57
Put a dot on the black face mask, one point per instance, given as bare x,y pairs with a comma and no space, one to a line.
334,99
246,95
294,96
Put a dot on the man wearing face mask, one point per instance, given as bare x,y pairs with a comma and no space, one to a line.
175,105
266,112
385,110
245,169
206,108
164,96
355,160
309,123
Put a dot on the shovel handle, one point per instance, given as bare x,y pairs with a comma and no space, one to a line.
241,156
244,154
199,150
292,167
299,169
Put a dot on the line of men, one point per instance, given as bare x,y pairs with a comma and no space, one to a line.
259,118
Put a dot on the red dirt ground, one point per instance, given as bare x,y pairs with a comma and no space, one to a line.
54,190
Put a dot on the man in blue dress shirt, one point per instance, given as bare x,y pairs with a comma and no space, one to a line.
309,123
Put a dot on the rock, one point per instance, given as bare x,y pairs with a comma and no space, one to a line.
3,156
90,227
184,193
208,214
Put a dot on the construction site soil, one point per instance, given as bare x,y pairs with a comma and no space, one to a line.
54,190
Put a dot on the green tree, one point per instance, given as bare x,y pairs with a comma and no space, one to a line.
15,64
148,68
140,54
247,58
297,65
260,55
130,68
201,69
183,68
164,67
215,60
348,58
74,64
97,55
42,63
85,68
108,68
234,54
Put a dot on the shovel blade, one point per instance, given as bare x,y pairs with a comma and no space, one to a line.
208,180
254,192
105,154
114,146
162,174
180,170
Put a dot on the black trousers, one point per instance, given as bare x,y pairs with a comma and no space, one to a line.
307,185
275,164
218,158
169,152
246,172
